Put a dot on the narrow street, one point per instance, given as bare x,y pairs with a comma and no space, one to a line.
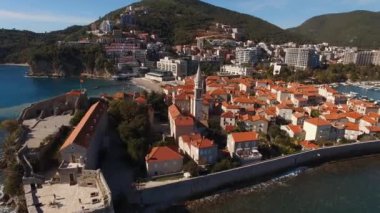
117,173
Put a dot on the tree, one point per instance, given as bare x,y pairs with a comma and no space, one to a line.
192,168
9,125
315,113
77,117
273,131
137,149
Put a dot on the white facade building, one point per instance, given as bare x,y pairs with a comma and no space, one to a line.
236,70
362,58
177,67
301,58
106,26
317,129
248,55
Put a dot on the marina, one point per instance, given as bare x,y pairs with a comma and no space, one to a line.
369,91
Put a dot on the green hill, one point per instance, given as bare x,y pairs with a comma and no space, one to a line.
357,28
175,21
178,21
17,46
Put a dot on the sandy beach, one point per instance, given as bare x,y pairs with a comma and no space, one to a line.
147,84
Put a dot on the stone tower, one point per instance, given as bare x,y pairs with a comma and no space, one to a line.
197,102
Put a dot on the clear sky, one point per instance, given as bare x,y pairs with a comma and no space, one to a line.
48,15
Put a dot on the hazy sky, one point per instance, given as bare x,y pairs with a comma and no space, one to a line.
48,15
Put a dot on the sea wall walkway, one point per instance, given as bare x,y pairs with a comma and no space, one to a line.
183,190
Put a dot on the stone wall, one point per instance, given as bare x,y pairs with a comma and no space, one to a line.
183,190
96,142
96,178
53,106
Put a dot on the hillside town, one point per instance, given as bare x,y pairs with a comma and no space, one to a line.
221,48
205,110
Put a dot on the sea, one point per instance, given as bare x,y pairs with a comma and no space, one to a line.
344,186
18,91
350,186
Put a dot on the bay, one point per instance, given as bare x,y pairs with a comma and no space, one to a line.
17,91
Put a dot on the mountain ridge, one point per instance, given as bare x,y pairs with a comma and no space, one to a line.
203,15
354,28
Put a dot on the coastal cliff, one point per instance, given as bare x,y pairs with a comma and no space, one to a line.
45,68
70,61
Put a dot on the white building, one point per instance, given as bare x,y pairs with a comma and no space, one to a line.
376,58
244,145
227,119
301,58
163,160
106,26
202,150
278,67
317,129
284,111
362,58
248,55
197,102
236,70
176,66
349,57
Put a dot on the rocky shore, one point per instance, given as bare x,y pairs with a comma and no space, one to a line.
230,193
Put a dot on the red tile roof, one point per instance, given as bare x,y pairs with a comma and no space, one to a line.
296,129
353,115
74,93
173,111
334,116
373,128
318,122
140,100
352,126
184,121
198,141
228,114
219,91
229,128
163,153
369,120
86,126
309,145
244,136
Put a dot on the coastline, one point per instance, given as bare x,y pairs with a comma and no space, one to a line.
147,85
282,180
203,186
16,64
224,195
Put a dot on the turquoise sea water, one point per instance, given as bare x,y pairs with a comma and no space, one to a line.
17,91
